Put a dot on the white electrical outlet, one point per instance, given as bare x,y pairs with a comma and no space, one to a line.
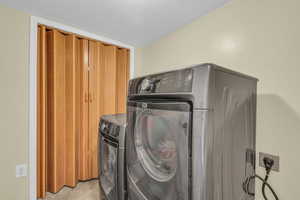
21,170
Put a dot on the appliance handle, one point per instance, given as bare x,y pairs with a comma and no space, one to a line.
184,106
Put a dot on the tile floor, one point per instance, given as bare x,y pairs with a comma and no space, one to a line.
83,191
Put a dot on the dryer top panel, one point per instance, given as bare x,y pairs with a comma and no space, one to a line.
168,82
195,83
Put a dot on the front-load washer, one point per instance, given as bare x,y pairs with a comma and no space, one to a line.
112,156
191,135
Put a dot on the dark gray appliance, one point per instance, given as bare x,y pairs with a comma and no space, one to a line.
191,135
112,156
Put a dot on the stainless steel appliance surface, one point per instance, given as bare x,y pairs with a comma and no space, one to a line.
112,156
191,135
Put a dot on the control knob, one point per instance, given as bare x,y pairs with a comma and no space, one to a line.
104,128
147,85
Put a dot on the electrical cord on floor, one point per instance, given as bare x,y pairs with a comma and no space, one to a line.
268,166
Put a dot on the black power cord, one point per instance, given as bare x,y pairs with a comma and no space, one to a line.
268,166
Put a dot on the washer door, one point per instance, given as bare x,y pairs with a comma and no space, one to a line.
157,150
108,170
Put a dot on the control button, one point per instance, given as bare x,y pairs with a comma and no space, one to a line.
149,85
146,85
104,127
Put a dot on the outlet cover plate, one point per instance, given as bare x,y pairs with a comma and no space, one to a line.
21,170
273,157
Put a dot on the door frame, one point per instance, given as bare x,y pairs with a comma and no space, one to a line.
34,22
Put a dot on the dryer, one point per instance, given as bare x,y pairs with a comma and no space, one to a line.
191,134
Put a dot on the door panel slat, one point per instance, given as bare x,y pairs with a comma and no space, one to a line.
41,114
56,107
70,148
109,79
122,79
83,169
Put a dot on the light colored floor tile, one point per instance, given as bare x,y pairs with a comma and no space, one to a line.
83,191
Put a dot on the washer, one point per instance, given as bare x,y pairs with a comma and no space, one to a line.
112,156
191,134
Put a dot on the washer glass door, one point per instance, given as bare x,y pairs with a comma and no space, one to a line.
108,171
157,150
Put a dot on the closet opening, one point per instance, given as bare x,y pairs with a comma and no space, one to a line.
79,79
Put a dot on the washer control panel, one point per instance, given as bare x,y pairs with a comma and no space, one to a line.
109,129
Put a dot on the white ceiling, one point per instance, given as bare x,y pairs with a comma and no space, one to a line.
135,22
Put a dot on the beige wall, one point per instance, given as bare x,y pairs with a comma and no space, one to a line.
256,37
14,49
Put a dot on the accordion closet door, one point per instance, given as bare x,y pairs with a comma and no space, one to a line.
78,80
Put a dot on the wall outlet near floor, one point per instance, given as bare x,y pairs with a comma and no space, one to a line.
21,170
273,157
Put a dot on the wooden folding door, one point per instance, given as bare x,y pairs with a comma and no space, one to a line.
79,80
